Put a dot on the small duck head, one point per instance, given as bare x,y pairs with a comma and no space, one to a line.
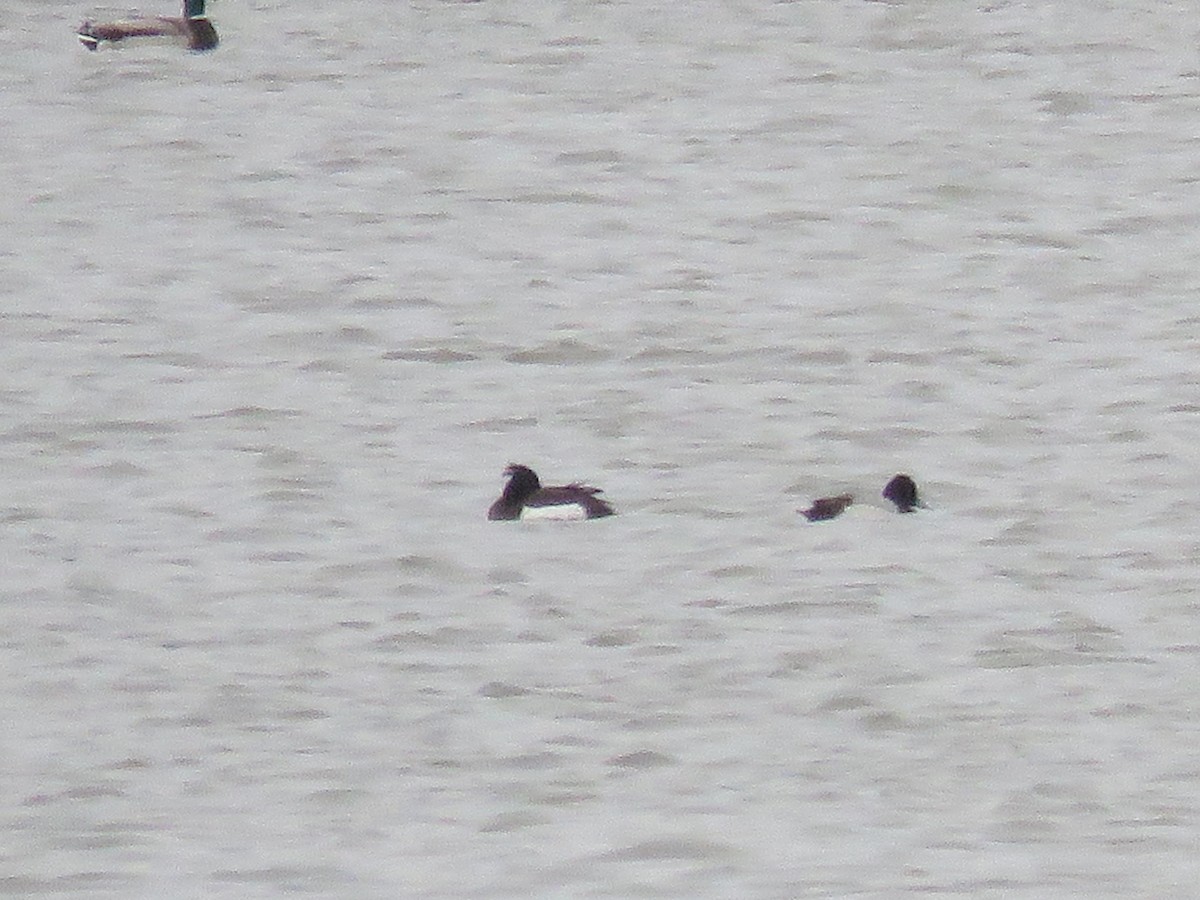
902,491
522,483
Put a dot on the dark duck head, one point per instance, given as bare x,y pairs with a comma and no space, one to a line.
827,508
902,491
525,498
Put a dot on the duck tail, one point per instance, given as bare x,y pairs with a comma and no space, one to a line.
87,37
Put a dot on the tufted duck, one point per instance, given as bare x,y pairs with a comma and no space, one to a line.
902,491
525,498
827,508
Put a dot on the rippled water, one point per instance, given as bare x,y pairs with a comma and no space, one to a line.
276,317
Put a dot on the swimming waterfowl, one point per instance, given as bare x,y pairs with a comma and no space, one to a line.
193,27
827,508
525,498
902,491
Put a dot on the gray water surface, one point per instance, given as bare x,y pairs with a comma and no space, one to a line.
276,317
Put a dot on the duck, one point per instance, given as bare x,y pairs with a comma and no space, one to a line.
193,27
525,498
827,508
902,491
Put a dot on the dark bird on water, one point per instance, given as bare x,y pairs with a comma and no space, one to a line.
192,28
902,491
525,498
827,508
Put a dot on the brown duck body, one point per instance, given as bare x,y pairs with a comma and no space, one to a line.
827,508
525,498
193,27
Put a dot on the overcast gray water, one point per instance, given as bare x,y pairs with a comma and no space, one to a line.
275,318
